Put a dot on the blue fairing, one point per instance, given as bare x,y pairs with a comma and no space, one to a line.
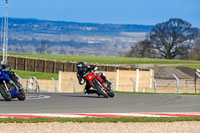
4,76
14,93
12,88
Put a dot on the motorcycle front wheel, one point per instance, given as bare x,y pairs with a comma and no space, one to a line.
101,89
110,93
6,94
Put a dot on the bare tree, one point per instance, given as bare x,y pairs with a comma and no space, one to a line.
173,37
142,49
195,52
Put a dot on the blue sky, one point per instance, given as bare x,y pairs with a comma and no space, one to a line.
148,12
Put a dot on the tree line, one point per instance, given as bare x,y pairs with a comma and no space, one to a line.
173,39
64,27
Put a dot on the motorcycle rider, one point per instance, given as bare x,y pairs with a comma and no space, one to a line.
13,76
81,70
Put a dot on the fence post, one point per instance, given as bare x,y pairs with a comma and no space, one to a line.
26,85
117,80
45,66
35,65
54,67
60,81
25,64
177,83
155,84
134,84
31,84
15,63
198,74
137,79
55,88
151,79
74,84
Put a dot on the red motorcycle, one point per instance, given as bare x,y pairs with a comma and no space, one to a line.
99,84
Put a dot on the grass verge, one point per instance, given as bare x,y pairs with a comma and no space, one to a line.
104,60
38,75
99,120
189,66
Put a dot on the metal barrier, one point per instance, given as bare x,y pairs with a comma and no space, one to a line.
29,84
155,84
55,86
173,85
74,84
113,85
177,83
198,74
37,89
134,84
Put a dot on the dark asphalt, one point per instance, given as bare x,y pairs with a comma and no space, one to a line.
121,103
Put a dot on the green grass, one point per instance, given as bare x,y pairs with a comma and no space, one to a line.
190,66
104,60
99,120
38,75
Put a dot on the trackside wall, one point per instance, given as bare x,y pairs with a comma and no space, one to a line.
122,83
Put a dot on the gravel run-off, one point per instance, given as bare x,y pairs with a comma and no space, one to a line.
69,127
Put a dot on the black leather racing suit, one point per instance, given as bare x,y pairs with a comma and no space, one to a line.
81,72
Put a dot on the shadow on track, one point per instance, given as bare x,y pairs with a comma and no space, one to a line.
86,96
2,100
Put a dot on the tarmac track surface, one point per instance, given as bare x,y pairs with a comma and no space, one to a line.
121,103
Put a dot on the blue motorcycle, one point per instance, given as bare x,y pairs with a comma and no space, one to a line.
10,88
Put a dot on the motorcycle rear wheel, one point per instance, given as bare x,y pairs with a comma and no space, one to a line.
6,95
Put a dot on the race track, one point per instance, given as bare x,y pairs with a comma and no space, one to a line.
121,103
